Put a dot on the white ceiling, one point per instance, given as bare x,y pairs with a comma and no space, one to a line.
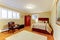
39,5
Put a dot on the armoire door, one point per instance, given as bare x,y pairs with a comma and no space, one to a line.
27,20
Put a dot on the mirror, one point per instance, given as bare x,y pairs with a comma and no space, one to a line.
58,12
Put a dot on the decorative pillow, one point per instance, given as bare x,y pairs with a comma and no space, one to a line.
41,21
45,21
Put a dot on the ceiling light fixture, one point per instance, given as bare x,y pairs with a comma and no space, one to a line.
30,6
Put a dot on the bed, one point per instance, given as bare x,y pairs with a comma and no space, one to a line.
42,26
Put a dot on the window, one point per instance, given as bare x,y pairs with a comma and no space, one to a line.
4,13
35,17
14,15
8,14
18,15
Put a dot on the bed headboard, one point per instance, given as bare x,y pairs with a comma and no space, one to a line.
44,19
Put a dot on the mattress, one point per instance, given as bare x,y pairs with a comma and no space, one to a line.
42,26
26,35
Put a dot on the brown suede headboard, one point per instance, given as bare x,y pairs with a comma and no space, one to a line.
43,19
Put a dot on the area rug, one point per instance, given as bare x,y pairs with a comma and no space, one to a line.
26,35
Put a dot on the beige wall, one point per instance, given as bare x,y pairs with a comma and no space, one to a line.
43,15
4,22
56,27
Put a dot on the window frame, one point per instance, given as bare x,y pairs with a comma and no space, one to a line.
12,18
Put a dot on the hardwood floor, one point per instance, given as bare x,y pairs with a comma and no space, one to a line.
7,34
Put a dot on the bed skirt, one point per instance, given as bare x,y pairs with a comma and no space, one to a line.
42,31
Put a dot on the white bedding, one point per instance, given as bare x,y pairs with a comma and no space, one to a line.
48,29
26,35
43,26
39,25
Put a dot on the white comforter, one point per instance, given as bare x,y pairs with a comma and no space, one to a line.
39,25
43,26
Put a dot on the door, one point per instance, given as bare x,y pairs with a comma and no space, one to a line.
27,20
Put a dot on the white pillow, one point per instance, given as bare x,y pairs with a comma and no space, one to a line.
41,21
45,21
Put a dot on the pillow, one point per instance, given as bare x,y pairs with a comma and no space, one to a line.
41,21
45,21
